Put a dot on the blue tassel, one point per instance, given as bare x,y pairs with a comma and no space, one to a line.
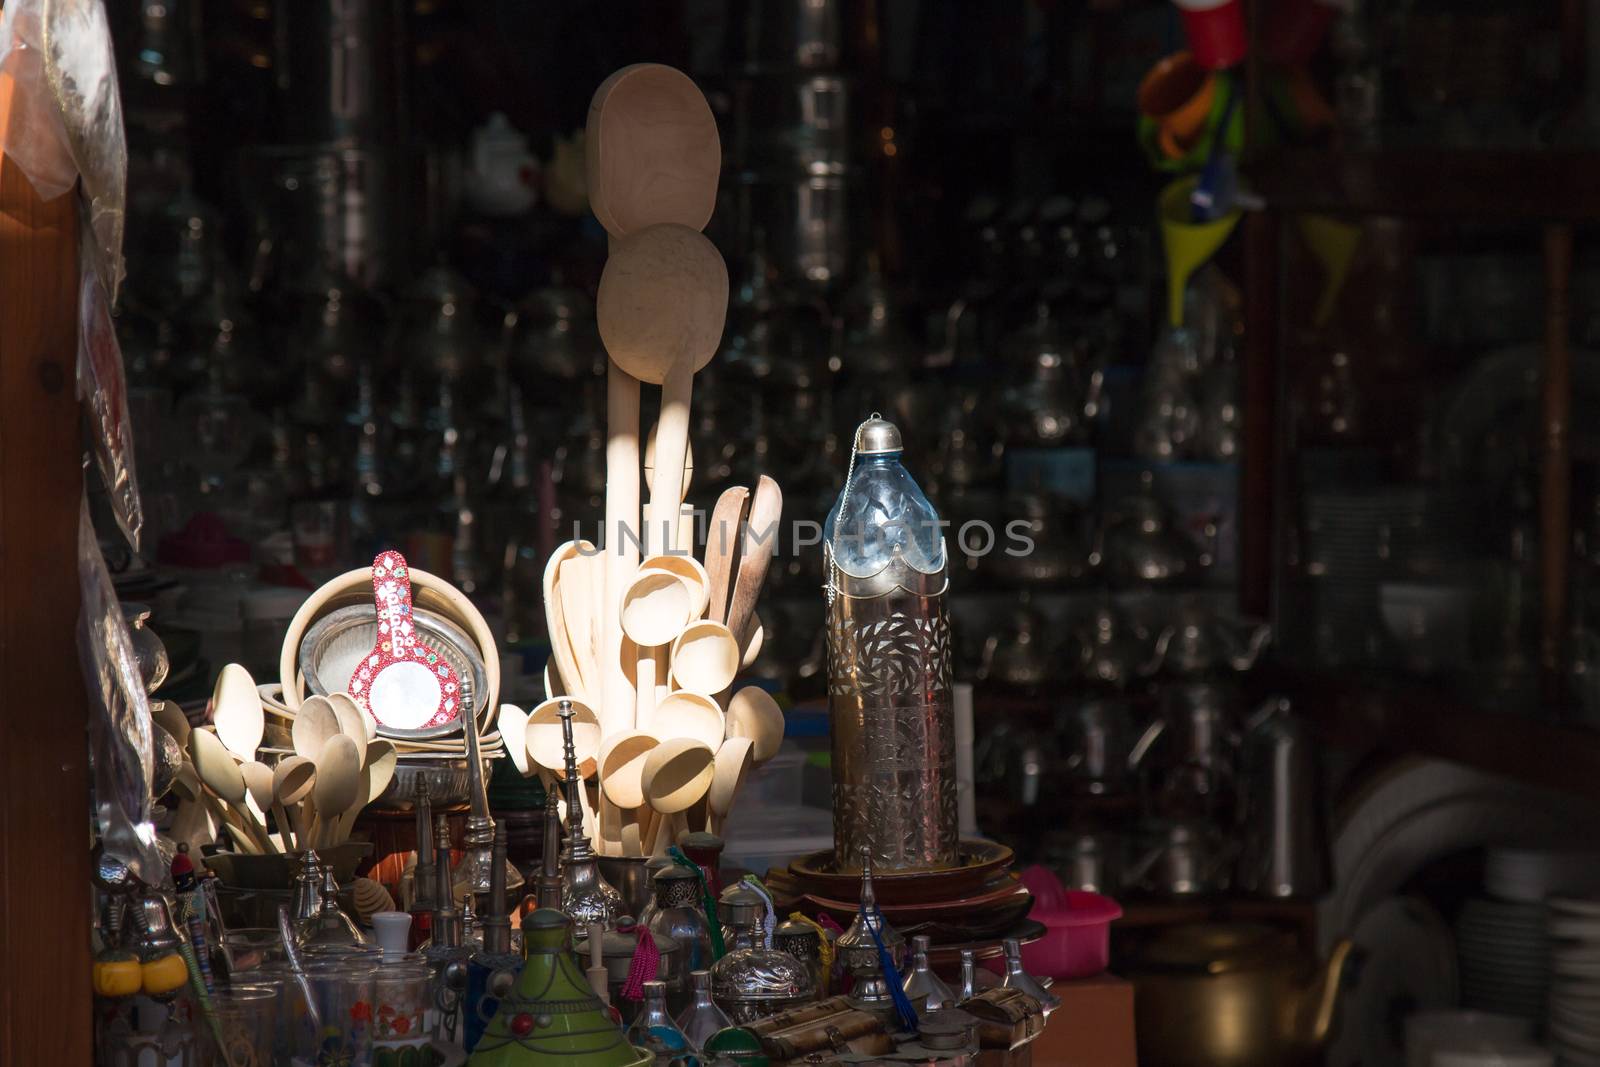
891,973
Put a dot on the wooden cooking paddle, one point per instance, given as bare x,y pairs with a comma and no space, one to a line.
652,155
662,305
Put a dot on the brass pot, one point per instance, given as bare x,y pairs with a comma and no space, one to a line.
1232,995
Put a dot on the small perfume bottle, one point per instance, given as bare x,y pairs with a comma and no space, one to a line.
702,1018
653,1028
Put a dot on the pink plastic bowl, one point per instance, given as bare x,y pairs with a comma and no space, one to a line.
1077,938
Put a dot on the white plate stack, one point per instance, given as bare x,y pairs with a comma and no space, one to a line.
1574,930
1505,957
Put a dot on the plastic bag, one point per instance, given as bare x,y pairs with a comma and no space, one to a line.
121,746
65,119
104,390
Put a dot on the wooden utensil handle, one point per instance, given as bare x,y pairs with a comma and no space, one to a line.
672,444
644,684
615,702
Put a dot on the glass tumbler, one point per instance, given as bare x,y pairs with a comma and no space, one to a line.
247,1020
403,1010
250,948
335,1028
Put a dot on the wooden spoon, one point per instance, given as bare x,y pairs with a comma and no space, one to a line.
689,569
236,707
578,608
705,657
757,542
258,782
217,769
353,719
722,548
752,643
556,622
733,763
545,743
652,152
694,715
292,781
661,307
314,723
513,725
376,773
676,774
170,717
754,714
338,783
655,608
621,766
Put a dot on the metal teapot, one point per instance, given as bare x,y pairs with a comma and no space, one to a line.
1140,545
1232,995
1050,398
1182,857
556,339
1112,651
1061,545
1096,736
1199,735
1200,642
1018,656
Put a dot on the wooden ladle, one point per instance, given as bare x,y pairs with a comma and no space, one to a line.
662,305
652,155
652,152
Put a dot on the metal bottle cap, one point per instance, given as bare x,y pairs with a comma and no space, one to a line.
877,436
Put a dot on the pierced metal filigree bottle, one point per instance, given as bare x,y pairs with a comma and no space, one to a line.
858,951
892,725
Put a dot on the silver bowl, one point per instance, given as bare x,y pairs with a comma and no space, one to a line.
449,783
331,650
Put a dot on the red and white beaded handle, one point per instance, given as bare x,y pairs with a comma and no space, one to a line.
401,683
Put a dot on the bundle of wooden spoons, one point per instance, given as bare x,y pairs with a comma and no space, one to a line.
652,660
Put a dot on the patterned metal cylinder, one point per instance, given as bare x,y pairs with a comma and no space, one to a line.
894,779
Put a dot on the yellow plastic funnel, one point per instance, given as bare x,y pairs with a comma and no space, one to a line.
1334,244
1188,244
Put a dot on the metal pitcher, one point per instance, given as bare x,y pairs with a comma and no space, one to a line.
1286,829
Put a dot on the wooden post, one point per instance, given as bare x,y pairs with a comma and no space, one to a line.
1555,496
45,902
1259,506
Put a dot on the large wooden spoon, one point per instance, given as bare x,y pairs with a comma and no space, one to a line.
556,621
338,783
236,707
734,759
722,548
653,155
757,542
292,781
662,305
314,723
652,152
258,783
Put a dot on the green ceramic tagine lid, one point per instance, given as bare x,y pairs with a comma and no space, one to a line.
738,1045
551,1015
